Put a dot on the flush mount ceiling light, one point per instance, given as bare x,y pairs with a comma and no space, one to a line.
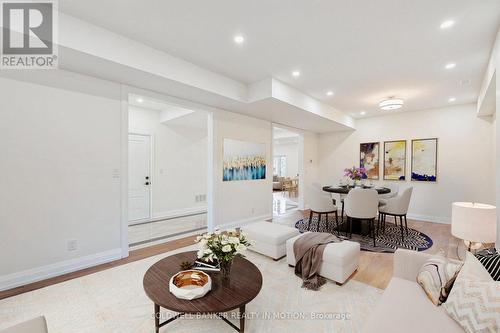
452,99
362,113
139,100
295,73
451,65
329,93
391,104
447,24
238,39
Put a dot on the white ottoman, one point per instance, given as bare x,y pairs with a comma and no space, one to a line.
340,260
269,238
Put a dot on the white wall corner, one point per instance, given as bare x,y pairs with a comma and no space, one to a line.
21,278
239,223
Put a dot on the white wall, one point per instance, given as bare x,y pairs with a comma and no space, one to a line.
179,159
291,151
60,173
465,162
241,201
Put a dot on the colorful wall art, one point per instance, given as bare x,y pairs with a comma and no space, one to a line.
369,158
244,160
394,160
424,160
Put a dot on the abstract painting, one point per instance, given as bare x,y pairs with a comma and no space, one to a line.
369,158
424,160
244,160
394,160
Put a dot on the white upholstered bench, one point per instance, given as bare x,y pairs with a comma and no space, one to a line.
269,238
340,260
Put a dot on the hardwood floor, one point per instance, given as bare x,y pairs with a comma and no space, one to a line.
374,269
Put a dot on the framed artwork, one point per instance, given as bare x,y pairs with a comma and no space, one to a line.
369,159
424,160
243,160
395,160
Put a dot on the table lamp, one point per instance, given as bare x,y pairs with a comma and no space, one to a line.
475,223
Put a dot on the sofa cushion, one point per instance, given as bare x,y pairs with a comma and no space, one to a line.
490,259
404,307
36,325
270,233
474,301
436,278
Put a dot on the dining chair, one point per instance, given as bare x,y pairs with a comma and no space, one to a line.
362,204
321,203
397,207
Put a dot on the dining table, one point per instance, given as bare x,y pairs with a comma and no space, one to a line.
343,190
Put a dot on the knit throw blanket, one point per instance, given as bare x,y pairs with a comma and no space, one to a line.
308,251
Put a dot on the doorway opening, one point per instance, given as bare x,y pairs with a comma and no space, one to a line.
167,171
287,170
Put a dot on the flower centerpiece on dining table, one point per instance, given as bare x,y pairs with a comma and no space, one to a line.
355,174
222,247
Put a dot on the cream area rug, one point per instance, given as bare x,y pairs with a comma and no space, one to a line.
114,301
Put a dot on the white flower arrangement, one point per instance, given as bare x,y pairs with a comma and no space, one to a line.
223,246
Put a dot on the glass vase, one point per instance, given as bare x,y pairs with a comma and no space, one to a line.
225,269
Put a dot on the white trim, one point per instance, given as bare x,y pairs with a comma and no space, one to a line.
429,218
124,173
172,214
242,222
211,177
59,268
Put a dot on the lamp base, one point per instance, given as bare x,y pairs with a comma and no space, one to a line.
472,245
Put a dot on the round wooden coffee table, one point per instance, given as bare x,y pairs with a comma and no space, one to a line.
244,285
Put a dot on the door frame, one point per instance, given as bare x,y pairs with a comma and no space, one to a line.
151,171
212,203
301,168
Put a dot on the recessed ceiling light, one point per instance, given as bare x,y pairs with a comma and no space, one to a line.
139,100
391,104
295,73
447,24
452,99
329,93
362,113
239,39
451,65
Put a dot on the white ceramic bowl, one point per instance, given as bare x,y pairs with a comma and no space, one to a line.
190,284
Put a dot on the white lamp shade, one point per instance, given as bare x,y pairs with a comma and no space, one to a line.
474,222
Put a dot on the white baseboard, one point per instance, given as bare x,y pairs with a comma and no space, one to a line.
243,222
172,214
21,278
180,212
429,218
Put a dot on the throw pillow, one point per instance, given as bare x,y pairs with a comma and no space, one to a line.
436,277
490,259
474,300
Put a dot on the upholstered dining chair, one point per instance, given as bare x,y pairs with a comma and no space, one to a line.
362,204
397,207
321,203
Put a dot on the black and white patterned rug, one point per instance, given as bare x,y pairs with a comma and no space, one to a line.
388,241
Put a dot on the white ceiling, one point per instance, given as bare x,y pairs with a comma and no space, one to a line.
364,51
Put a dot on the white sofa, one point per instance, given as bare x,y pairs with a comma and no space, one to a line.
36,325
340,260
404,306
269,238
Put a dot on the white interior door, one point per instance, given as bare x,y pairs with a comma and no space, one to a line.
139,177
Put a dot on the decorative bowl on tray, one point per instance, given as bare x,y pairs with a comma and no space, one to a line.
190,284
